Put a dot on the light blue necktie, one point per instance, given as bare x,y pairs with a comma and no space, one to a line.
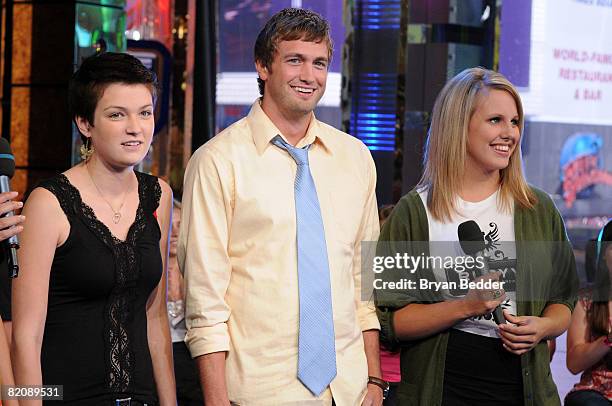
316,343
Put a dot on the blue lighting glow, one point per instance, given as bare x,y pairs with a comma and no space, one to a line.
377,133
380,27
382,19
389,123
382,101
375,129
377,75
392,14
377,108
377,141
377,115
388,87
377,94
373,119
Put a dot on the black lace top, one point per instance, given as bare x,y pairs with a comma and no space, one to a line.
95,339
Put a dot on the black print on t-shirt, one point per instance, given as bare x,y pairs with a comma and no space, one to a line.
498,262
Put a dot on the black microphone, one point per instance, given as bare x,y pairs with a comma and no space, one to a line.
472,243
7,170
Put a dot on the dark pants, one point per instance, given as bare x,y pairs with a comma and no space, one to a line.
586,398
188,389
478,371
391,399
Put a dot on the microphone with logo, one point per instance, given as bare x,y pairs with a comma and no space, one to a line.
472,243
7,170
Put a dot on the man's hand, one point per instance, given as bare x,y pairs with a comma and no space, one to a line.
374,396
524,332
10,226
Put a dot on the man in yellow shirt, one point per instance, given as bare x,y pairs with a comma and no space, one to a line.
275,208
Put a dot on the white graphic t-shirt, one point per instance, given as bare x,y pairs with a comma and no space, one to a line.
498,228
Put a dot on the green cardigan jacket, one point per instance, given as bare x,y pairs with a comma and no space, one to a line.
545,276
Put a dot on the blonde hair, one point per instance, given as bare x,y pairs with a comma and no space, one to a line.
446,147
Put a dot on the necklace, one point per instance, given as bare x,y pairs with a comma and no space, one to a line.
116,213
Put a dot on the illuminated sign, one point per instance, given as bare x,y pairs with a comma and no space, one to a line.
582,167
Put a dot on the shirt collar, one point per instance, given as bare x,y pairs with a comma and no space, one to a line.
263,130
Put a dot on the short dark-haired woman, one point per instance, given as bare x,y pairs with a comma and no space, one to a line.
89,307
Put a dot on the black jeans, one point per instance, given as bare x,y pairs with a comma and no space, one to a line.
391,399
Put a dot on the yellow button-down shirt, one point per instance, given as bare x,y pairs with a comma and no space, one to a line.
237,248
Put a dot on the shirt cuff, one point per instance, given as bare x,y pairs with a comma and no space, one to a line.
206,340
367,317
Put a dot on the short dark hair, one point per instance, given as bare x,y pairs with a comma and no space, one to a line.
99,71
288,25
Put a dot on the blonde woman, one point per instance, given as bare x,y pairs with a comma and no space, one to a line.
89,306
453,352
